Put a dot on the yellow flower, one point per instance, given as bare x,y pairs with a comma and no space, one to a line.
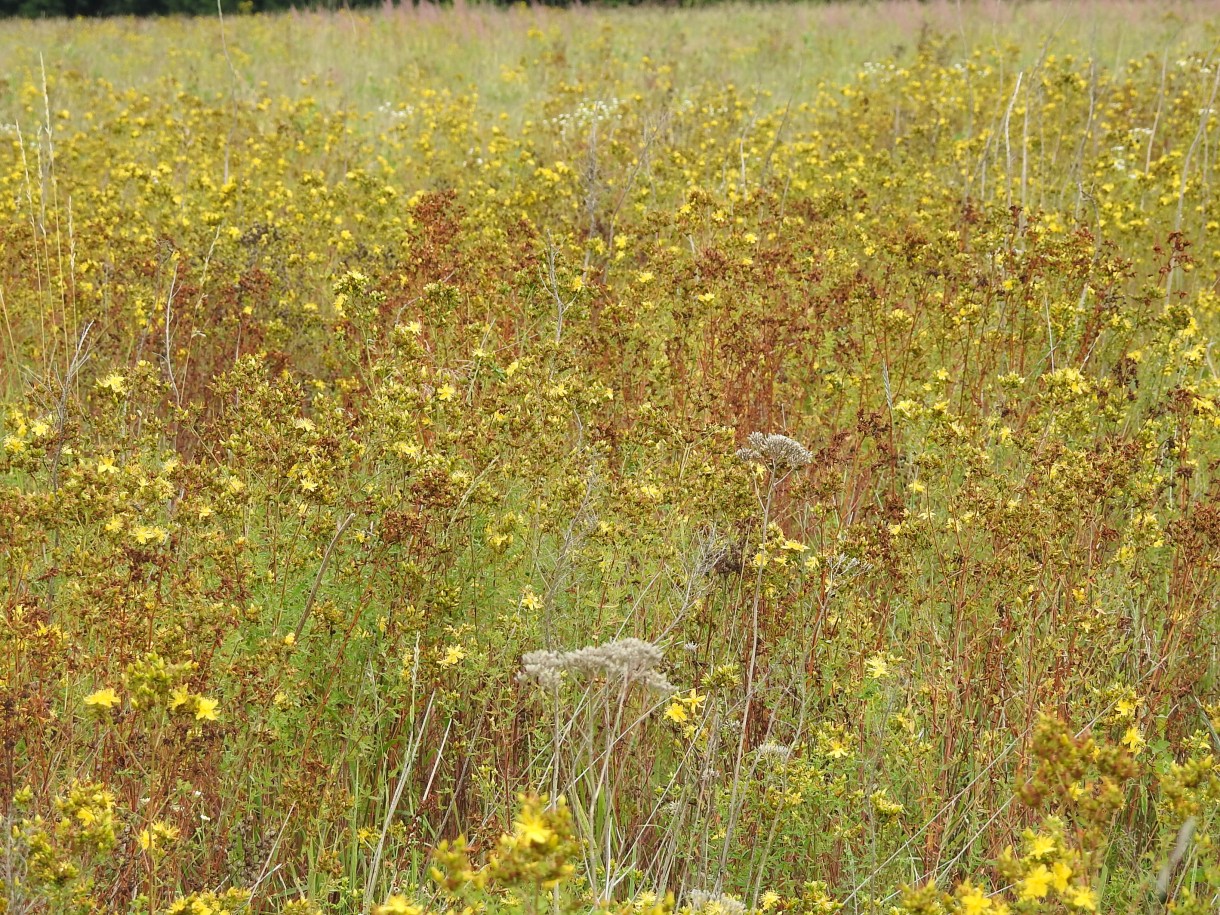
205,709
1035,884
453,656
971,900
1081,897
692,700
677,713
144,534
114,383
836,749
153,837
103,699
1060,874
878,667
398,905
1125,707
178,697
1133,740
532,828
1037,846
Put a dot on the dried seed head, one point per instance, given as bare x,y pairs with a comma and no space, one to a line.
774,751
777,451
715,903
544,667
630,660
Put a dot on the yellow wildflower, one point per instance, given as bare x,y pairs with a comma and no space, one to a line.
153,837
1081,897
115,383
144,534
971,900
878,667
1060,875
1133,740
103,699
178,697
532,827
398,905
1035,884
1038,846
677,713
1125,707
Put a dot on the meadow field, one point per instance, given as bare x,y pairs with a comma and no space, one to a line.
733,460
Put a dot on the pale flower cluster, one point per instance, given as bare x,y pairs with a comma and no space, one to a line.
777,451
630,660
715,903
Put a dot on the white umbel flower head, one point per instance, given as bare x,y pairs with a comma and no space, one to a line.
778,452
715,903
629,660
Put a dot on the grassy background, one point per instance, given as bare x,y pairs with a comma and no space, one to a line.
366,59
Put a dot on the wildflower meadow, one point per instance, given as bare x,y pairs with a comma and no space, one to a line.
654,461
